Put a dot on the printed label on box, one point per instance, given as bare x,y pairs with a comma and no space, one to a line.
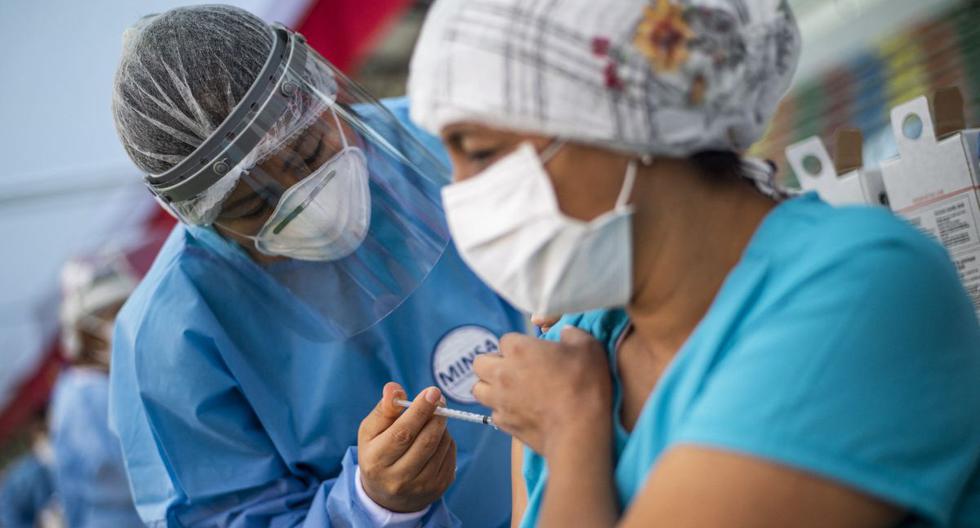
955,222
968,265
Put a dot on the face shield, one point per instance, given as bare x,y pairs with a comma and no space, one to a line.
288,169
308,166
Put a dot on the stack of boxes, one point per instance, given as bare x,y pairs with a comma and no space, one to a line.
843,181
934,182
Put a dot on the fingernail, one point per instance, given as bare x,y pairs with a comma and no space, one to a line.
432,395
400,395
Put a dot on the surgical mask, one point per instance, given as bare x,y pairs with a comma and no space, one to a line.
509,229
323,217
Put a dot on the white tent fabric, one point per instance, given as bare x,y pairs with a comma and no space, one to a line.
66,185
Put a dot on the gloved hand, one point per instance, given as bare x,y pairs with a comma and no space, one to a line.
407,459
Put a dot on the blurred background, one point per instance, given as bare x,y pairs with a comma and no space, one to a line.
66,186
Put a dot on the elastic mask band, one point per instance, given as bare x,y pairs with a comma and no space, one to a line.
628,181
551,150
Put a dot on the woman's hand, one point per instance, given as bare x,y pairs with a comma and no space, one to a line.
544,322
407,459
547,394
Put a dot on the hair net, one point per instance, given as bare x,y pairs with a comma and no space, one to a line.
661,77
181,74
88,286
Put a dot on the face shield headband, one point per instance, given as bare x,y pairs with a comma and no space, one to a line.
242,131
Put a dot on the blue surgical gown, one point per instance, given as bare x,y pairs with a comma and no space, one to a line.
230,416
843,345
88,466
26,490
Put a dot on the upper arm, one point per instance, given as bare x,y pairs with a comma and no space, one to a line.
519,489
834,395
694,487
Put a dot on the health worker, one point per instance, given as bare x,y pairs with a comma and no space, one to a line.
311,266
90,477
27,497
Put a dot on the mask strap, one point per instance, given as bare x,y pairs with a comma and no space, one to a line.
550,151
253,238
340,130
627,191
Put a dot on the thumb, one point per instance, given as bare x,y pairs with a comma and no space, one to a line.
385,412
544,320
574,336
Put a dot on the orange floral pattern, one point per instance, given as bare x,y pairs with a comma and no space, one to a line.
663,35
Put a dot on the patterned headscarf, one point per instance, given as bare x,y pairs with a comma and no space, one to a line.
658,77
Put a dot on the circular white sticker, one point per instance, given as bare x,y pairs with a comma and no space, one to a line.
452,361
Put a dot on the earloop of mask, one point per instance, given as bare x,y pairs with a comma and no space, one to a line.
628,181
551,150
340,130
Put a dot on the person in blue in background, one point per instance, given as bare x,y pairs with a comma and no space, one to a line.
746,359
89,473
311,267
27,496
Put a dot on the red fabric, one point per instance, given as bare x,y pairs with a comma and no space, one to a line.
343,31
157,229
33,394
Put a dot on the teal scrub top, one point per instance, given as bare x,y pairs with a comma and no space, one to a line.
842,344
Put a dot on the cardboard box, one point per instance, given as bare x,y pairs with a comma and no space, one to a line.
934,181
843,181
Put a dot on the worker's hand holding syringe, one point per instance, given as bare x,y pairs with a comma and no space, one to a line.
407,458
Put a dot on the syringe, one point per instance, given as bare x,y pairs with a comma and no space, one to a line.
466,416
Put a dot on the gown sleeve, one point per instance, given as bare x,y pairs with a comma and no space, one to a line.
88,466
195,451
